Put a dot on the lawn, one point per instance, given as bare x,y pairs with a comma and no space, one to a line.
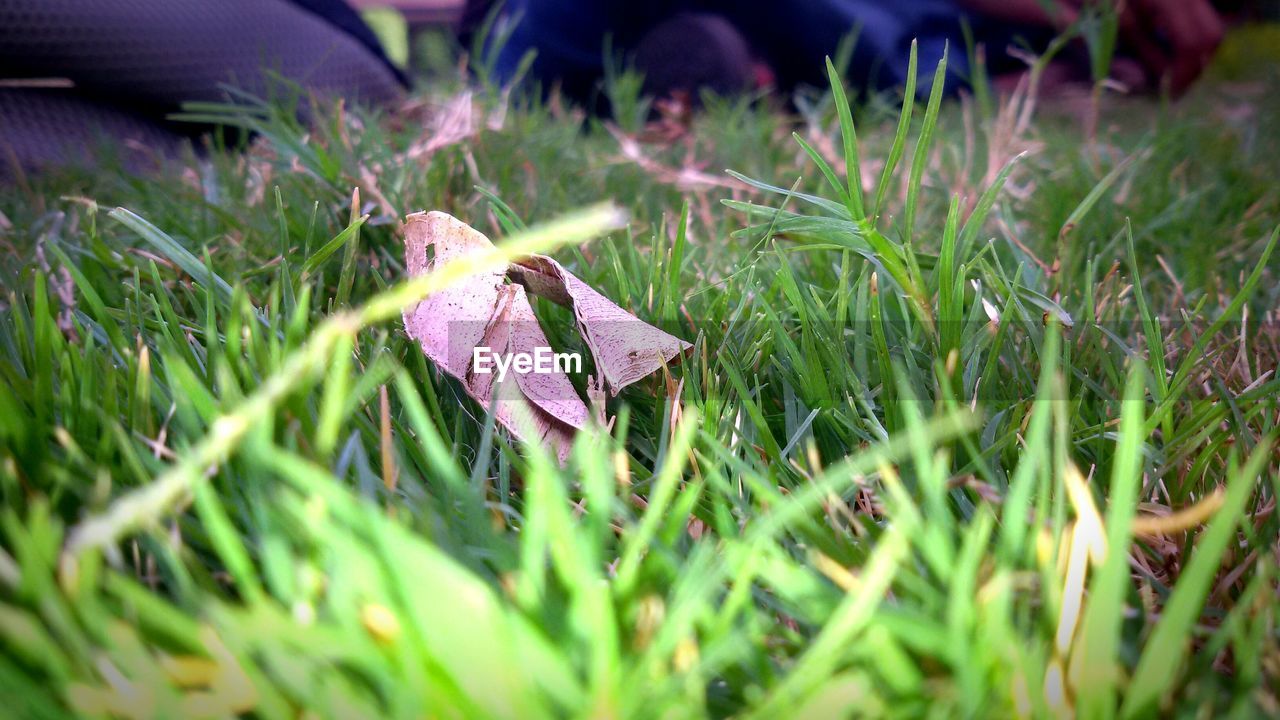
987,431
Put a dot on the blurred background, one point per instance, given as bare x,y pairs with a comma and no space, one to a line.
76,72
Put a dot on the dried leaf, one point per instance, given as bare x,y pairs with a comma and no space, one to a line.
553,392
488,312
450,323
554,411
625,348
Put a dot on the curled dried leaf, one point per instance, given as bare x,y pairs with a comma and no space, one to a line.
536,407
488,312
449,323
625,348
552,392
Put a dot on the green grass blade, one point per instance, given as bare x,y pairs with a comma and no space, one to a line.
899,137
1159,667
849,136
923,145
1098,651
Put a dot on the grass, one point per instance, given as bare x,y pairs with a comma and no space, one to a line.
986,429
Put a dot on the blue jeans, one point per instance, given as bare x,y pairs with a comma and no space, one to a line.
792,36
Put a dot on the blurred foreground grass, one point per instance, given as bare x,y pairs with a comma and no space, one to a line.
987,432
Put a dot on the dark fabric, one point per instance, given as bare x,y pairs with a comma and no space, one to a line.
160,53
690,51
44,127
340,15
145,58
793,37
